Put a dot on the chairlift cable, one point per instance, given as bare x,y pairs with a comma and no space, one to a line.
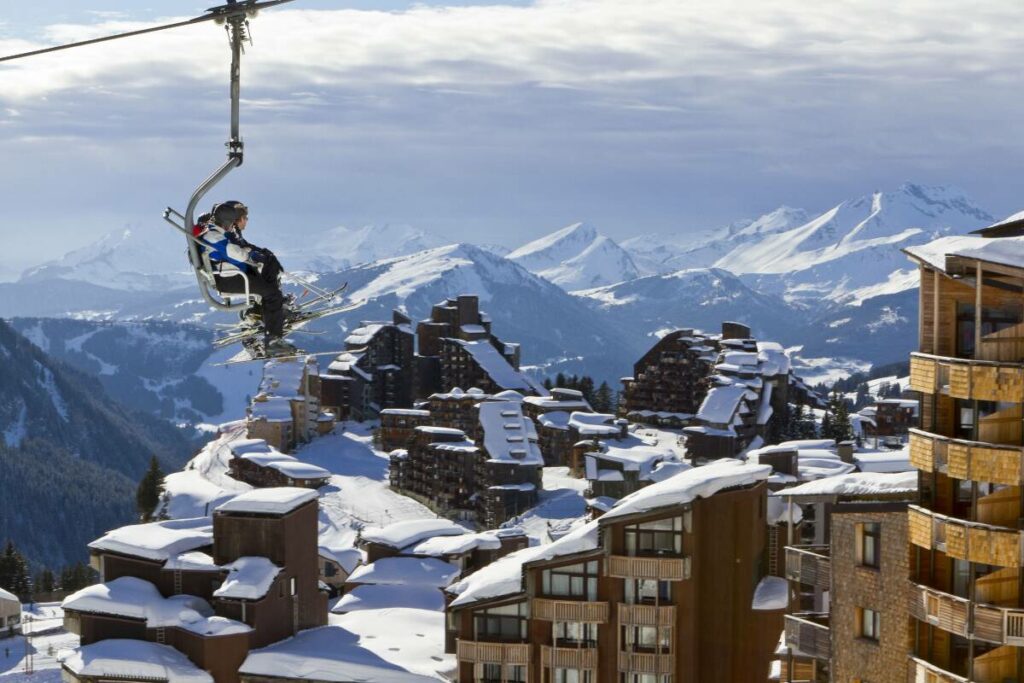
217,13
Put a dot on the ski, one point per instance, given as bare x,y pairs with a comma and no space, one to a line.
245,356
295,325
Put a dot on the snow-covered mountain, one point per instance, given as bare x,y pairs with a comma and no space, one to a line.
133,259
343,247
700,298
852,251
660,254
576,257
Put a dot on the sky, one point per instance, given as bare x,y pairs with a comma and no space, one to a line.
499,122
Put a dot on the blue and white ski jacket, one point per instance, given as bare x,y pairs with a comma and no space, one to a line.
228,253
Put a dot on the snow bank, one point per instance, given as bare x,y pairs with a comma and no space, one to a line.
132,660
406,571
278,500
374,597
328,653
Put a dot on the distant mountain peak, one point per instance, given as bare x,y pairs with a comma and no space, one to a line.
576,257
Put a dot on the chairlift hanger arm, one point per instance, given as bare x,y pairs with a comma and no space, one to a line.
220,13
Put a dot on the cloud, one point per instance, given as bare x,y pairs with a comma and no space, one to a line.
651,114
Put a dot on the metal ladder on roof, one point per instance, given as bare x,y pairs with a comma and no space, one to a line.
177,582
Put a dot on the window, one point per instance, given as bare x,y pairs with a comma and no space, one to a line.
574,633
870,544
647,638
658,537
572,581
573,676
870,625
293,586
516,674
501,624
648,591
329,569
644,678
490,673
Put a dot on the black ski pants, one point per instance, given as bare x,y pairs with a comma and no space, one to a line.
264,284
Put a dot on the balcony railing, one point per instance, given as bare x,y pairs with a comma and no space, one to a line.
570,610
658,568
568,657
974,541
809,634
645,663
966,378
493,653
994,624
646,615
809,565
969,460
921,671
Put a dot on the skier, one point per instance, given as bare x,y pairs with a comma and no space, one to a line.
231,254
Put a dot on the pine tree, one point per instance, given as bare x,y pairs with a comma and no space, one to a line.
14,572
560,380
863,396
147,496
45,583
604,399
548,384
827,432
586,387
841,427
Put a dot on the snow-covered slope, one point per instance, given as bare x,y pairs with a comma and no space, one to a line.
343,247
660,254
135,259
700,298
852,251
576,257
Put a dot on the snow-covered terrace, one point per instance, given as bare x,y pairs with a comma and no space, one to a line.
121,659
249,578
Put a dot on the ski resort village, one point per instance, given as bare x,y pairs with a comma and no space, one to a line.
420,503
511,341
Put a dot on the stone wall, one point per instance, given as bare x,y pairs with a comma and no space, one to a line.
884,589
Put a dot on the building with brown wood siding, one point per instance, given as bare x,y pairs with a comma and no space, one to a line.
212,590
660,588
286,410
967,599
847,565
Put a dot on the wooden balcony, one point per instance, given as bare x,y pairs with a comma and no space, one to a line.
993,624
645,663
659,568
493,653
570,610
921,671
969,460
809,565
568,657
967,378
809,634
974,541
646,615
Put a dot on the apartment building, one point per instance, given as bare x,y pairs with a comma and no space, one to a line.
667,586
967,601
286,409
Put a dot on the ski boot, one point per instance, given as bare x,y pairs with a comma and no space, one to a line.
279,346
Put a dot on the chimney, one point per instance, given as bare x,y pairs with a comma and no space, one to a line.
845,451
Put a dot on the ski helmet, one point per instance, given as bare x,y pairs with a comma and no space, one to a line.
226,213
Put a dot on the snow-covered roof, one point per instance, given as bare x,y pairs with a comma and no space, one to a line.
158,540
508,434
271,408
495,365
347,558
773,358
193,561
558,403
594,424
779,511
278,500
456,545
861,484
408,571
504,577
772,593
934,253
441,431
556,419
284,377
698,482
10,597
402,534
328,653
721,403
296,469
133,659
884,461
408,412
135,598
387,596
362,335
249,578
458,393
344,362
241,447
